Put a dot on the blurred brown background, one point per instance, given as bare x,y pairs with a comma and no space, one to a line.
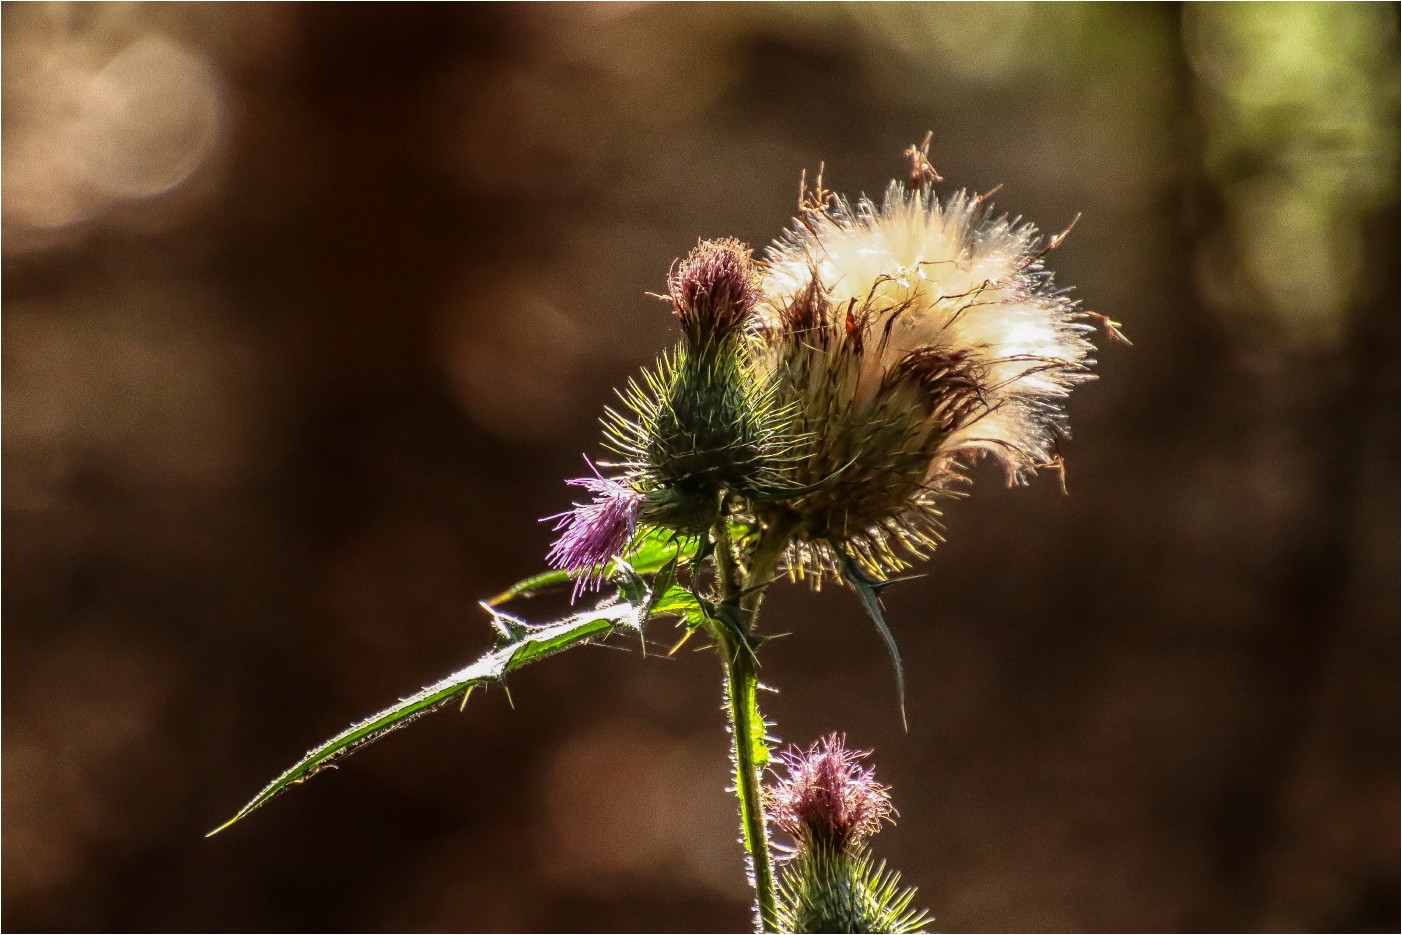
308,311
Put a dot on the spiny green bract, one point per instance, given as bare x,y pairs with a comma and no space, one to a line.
699,426
825,889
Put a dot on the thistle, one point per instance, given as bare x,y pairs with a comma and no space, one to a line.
703,423
831,805
908,338
812,414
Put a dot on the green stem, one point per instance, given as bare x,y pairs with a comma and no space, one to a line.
766,556
747,738
746,726
726,572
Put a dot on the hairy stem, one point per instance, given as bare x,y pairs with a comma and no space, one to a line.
747,738
746,726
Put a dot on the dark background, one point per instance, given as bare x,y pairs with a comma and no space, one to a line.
309,310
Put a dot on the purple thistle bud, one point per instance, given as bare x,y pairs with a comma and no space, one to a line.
593,533
714,289
828,798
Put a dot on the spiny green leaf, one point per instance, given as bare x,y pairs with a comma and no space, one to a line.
661,583
656,547
537,643
652,550
867,589
678,602
528,586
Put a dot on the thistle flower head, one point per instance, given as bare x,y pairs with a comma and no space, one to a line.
703,422
910,336
831,805
714,290
592,533
828,799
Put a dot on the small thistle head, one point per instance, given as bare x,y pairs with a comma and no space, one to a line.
703,423
831,805
828,799
714,290
592,533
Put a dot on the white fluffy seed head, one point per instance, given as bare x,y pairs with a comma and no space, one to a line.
907,338
951,275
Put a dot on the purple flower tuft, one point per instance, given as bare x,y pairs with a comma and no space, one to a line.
593,533
715,289
828,798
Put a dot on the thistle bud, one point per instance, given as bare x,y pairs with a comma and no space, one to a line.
714,290
703,424
831,805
